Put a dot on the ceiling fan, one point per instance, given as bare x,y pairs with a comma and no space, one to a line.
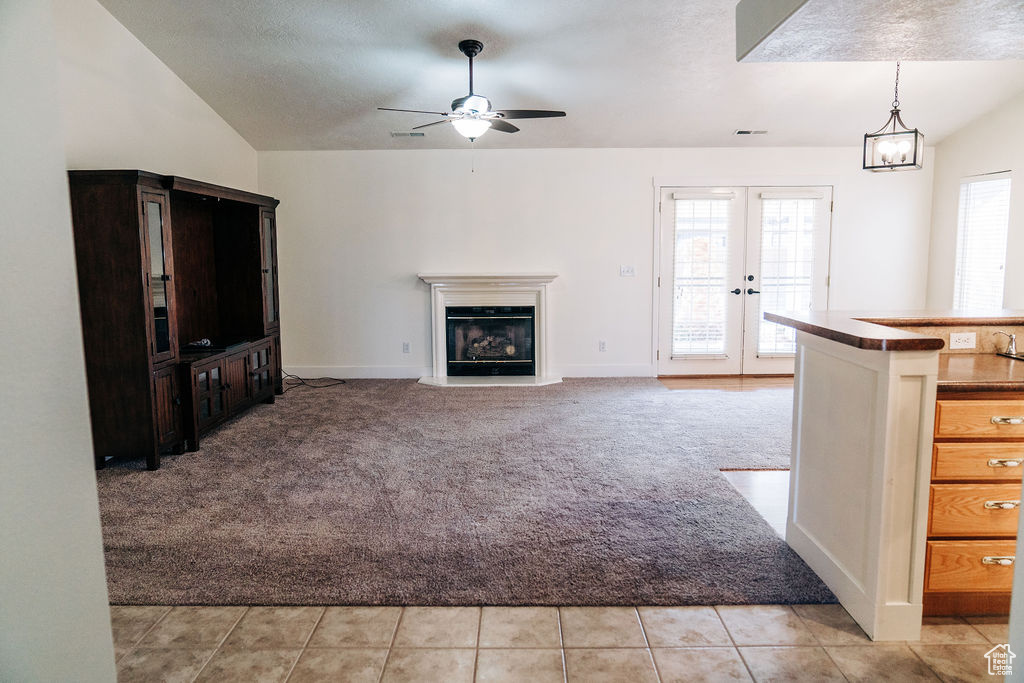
472,115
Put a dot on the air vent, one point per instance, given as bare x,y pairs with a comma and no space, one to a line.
400,134
750,132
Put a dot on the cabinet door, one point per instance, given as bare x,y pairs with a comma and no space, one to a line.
167,405
237,385
261,364
157,269
268,266
209,387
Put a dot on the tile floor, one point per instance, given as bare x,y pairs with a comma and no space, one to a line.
451,644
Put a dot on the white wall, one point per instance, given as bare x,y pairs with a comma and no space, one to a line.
991,143
54,618
123,108
355,228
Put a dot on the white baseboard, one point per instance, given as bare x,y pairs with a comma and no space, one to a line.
413,372
358,371
606,371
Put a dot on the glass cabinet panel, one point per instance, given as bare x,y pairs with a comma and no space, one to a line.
158,276
269,283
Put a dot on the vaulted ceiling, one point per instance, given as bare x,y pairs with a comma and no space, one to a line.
309,74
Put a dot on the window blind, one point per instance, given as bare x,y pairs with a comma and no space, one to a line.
982,227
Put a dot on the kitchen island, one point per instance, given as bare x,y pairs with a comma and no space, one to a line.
864,428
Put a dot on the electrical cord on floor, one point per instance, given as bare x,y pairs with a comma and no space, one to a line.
301,382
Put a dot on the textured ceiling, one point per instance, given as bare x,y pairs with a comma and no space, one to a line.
309,74
867,30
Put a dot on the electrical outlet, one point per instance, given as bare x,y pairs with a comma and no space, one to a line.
627,271
602,345
405,347
962,340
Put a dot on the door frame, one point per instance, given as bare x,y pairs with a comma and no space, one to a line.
659,183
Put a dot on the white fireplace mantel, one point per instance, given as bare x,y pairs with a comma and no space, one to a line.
488,289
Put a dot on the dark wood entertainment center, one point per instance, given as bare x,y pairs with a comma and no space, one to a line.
164,262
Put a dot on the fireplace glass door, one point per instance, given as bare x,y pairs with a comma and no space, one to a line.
485,340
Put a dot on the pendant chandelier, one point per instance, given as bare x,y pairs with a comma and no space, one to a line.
894,147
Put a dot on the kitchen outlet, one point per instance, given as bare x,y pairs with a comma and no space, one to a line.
405,347
627,271
962,340
602,346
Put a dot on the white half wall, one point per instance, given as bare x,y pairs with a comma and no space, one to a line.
124,108
356,226
54,617
990,144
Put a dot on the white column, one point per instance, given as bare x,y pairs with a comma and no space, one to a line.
862,436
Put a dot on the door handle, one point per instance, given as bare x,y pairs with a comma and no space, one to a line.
751,290
1008,420
736,291
750,278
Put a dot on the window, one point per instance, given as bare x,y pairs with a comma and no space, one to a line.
981,242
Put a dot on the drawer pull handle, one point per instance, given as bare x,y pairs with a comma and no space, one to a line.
1002,504
1005,462
1002,561
1008,420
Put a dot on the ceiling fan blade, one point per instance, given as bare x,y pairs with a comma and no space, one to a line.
528,113
503,126
428,125
414,111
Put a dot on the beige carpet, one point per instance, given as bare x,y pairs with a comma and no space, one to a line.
390,492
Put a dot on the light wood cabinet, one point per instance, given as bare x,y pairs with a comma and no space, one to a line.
974,501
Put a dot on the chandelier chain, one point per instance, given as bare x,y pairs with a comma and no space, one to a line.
896,90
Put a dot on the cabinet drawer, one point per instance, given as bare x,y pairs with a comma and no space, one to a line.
978,461
963,419
959,566
973,510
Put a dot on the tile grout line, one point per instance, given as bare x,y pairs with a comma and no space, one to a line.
222,641
145,633
921,659
561,645
650,652
476,645
302,650
391,645
733,641
821,645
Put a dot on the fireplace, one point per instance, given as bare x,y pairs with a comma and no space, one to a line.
489,329
490,340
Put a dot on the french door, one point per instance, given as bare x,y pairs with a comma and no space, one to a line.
728,254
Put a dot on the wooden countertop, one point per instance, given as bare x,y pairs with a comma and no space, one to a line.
979,372
856,332
881,332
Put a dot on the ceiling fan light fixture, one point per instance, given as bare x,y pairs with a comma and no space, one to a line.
471,128
472,104
894,147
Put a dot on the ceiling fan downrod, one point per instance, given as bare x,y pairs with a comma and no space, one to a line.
471,48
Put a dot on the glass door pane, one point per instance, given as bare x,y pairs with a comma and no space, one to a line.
787,268
699,277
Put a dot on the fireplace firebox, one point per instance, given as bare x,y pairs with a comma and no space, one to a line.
490,340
